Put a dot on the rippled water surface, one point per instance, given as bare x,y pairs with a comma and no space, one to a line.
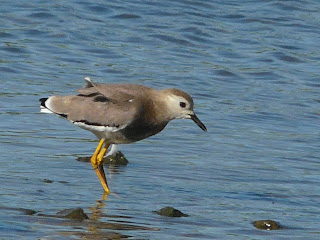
253,70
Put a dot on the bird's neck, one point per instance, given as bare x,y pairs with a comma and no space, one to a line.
159,109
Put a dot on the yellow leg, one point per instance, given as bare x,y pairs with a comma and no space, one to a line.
97,164
100,166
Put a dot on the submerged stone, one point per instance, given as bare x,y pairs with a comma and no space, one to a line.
24,211
83,159
116,159
27,211
47,180
171,212
267,225
73,213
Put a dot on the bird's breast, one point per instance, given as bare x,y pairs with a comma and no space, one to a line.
141,130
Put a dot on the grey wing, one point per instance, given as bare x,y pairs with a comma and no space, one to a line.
115,92
95,109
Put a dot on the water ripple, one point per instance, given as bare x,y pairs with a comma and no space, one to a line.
252,68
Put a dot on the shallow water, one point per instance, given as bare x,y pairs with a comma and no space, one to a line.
253,70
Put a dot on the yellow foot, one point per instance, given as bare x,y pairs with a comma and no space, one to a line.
96,153
97,164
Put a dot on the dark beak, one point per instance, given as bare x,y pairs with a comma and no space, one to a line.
198,122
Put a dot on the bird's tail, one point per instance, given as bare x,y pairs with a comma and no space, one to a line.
43,107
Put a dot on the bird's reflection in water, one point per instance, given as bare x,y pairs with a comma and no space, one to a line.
99,229
98,208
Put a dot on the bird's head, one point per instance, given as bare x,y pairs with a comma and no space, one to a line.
180,105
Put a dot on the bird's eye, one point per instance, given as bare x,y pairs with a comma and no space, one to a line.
183,104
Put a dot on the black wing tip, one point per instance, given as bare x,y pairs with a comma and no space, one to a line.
43,104
43,100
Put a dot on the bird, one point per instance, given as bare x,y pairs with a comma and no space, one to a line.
120,114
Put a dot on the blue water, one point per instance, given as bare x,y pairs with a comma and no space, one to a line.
252,68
